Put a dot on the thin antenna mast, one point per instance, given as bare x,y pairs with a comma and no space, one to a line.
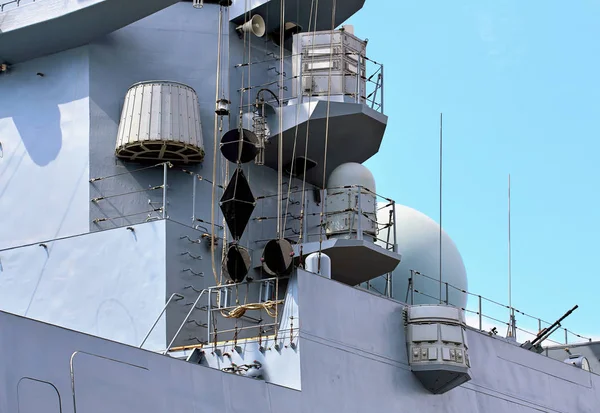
441,152
509,251
511,315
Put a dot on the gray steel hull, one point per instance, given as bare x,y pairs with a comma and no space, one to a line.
353,360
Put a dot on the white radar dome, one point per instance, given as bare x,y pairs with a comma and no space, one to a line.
418,238
352,173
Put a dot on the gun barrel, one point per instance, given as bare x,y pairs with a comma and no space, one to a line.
542,335
568,313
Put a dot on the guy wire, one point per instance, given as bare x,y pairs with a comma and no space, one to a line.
314,3
280,155
326,129
280,143
287,203
214,169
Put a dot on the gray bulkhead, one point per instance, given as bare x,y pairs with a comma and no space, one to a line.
354,359
77,97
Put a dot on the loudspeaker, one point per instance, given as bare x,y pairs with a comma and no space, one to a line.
256,26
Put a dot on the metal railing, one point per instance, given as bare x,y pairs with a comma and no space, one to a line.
185,320
382,232
355,229
493,321
15,3
357,210
374,88
173,296
153,211
369,86
157,207
217,302
366,87
228,297
131,208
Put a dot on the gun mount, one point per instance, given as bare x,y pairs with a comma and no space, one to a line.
535,344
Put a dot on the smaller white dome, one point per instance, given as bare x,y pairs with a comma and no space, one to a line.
319,263
352,173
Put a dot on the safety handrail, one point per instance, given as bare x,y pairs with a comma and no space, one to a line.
181,297
18,2
479,311
185,320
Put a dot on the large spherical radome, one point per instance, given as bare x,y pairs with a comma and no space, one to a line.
418,239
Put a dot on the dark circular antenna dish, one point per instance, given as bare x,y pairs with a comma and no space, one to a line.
239,146
278,257
236,263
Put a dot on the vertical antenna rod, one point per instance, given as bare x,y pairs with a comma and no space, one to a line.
441,149
510,314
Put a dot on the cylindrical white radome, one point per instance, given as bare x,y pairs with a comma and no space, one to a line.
160,121
323,269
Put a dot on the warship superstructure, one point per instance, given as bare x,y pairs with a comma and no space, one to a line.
187,226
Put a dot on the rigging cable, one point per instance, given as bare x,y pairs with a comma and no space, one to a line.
228,83
241,309
327,130
280,143
249,63
314,3
247,17
225,178
242,89
214,169
299,54
280,152
224,165
290,180
293,164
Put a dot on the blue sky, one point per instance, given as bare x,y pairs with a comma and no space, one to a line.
518,84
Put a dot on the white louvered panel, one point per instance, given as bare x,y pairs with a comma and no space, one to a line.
145,115
189,130
134,134
155,109
125,120
183,116
127,130
166,121
191,117
175,113
198,131
194,119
